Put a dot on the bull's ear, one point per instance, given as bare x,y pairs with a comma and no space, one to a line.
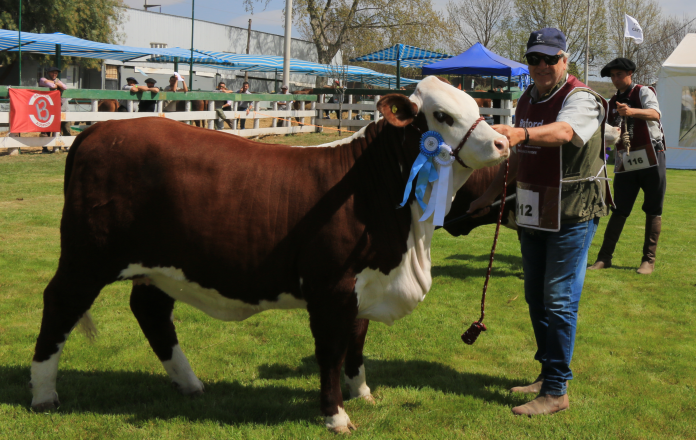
397,109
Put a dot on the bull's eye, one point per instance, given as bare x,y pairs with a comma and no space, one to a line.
443,118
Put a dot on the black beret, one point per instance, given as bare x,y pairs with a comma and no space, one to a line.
618,63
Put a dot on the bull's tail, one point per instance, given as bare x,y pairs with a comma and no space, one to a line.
86,326
71,156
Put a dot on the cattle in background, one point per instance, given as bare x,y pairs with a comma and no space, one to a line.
474,187
234,227
107,105
197,105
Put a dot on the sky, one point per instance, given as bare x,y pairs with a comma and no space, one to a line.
270,19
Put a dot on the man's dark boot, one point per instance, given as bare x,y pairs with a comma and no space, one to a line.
653,226
611,237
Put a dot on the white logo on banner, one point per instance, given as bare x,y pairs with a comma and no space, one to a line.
633,29
41,102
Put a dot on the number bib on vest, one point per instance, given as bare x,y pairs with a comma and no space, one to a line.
539,187
636,160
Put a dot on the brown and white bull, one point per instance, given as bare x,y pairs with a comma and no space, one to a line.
234,228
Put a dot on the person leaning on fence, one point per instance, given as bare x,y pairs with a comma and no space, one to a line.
221,107
559,157
170,105
53,83
149,105
244,106
283,105
132,87
640,162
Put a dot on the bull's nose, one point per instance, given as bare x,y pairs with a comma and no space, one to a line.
503,146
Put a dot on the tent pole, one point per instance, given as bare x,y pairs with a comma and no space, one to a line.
398,73
461,79
59,60
276,81
20,43
176,64
193,7
509,81
398,66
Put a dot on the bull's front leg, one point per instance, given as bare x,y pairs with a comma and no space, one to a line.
331,327
355,367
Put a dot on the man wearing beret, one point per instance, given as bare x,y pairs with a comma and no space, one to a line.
149,105
558,160
640,162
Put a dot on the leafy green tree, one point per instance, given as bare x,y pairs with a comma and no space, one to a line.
95,20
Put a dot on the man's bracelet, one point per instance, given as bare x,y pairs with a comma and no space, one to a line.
526,136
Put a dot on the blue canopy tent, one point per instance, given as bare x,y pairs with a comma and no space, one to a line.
402,55
477,60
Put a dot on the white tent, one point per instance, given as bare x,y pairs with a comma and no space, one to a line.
676,93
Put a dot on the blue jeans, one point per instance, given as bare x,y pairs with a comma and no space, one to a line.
554,272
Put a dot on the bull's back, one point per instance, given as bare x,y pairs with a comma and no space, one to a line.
157,189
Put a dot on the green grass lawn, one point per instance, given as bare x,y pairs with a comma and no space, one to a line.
634,364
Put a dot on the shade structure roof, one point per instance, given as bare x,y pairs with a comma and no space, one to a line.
77,47
272,63
477,60
408,56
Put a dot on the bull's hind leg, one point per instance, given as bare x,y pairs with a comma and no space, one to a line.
354,366
67,298
153,310
331,328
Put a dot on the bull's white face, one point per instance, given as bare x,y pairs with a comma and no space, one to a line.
452,112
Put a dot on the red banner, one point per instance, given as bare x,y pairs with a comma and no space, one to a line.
33,110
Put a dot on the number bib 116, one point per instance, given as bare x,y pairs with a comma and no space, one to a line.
636,160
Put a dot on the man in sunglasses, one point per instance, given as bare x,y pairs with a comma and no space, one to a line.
640,163
561,193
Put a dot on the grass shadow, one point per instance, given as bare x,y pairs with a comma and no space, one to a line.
416,374
464,272
144,397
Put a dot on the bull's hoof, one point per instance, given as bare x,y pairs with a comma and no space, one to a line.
369,399
343,429
192,391
46,406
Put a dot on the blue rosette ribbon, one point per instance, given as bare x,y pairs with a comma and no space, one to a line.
423,170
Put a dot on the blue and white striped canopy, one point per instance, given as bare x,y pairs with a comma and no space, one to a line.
77,47
273,63
408,56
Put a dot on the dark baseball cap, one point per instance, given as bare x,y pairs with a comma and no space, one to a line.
150,80
618,63
547,41
53,69
130,78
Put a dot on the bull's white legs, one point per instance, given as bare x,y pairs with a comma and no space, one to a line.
339,423
43,381
357,387
182,375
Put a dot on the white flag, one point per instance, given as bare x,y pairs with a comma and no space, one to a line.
633,29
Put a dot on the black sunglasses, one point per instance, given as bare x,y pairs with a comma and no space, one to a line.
551,60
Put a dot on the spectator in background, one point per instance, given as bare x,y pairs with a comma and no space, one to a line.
283,105
244,105
149,105
53,83
221,107
132,87
170,106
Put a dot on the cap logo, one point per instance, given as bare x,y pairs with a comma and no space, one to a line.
539,40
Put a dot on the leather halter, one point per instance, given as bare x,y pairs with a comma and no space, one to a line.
456,151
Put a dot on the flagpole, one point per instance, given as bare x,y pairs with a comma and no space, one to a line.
587,50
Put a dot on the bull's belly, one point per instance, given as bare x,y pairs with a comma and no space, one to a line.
174,283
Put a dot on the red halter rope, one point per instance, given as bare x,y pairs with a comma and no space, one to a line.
455,152
469,336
